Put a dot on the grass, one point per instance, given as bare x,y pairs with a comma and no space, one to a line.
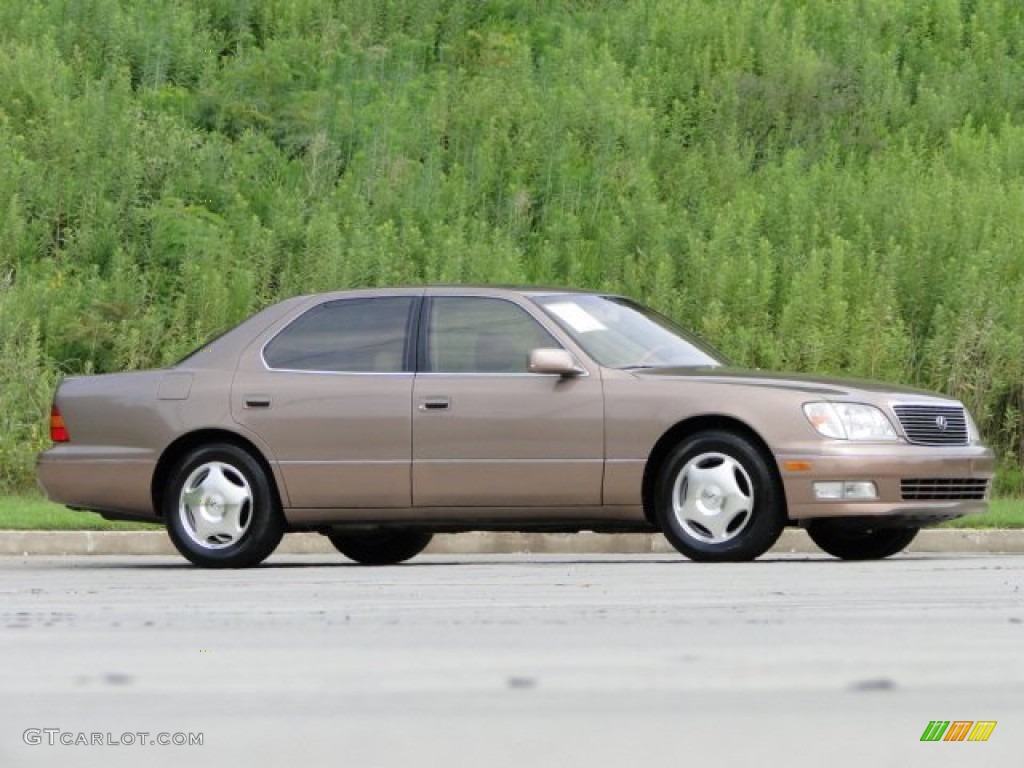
1002,513
27,513
34,513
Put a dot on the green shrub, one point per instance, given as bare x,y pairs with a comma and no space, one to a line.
814,186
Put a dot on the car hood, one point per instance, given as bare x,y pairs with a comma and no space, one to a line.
823,386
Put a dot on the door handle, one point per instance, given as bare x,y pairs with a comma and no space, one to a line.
257,401
439,403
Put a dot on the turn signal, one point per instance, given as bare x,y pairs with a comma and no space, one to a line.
797,466
58,432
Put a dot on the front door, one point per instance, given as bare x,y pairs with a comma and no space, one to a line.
488,433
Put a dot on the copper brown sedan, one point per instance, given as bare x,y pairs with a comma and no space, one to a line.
381,417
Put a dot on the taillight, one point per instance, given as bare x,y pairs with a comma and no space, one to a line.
58,432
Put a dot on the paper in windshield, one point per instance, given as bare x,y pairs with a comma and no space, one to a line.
576,317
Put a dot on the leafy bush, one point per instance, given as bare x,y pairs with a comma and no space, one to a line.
814,186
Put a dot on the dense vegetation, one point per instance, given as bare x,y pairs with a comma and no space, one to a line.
819,186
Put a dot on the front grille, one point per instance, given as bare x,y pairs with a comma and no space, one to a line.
943,488
933,424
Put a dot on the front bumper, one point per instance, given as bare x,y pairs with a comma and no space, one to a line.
887,466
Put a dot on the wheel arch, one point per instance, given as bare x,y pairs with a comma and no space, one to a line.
684,429
186,443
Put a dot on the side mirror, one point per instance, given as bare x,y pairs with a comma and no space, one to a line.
558,361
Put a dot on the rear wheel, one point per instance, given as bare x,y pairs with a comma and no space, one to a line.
849,541
717,499
220,509
380,547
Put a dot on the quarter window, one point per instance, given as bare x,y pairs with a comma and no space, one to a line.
481,335
350,335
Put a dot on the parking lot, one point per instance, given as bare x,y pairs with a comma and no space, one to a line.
517,660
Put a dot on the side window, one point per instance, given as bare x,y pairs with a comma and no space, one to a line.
349,335
480,335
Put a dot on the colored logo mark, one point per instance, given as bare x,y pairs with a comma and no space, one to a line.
958,730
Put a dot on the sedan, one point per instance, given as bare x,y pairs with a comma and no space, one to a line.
381,417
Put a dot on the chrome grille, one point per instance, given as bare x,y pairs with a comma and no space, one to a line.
943,488
933,424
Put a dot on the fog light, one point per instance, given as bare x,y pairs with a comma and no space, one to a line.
861,490
825,491
853,490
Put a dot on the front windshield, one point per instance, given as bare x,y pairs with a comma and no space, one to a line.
620,334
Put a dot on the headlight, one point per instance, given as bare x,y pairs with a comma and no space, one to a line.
973,435
850,421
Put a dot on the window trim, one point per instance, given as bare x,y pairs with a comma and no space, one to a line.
412,321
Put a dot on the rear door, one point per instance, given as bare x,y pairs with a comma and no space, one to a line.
488,433
331,396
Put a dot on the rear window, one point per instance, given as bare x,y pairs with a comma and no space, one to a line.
348,335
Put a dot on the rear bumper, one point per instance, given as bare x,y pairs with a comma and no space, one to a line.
888,467
117,482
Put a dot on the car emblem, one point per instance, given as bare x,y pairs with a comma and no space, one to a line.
942,423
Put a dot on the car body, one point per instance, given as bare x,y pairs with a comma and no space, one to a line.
379,417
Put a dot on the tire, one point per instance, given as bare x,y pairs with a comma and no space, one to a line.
220,509
380,547
718,500
850,542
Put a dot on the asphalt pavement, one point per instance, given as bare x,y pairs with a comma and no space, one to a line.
510,660
792,541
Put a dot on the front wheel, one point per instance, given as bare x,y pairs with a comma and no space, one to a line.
220,509
718,500
380,547
858,542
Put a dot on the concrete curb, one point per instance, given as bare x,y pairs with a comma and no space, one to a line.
989,541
